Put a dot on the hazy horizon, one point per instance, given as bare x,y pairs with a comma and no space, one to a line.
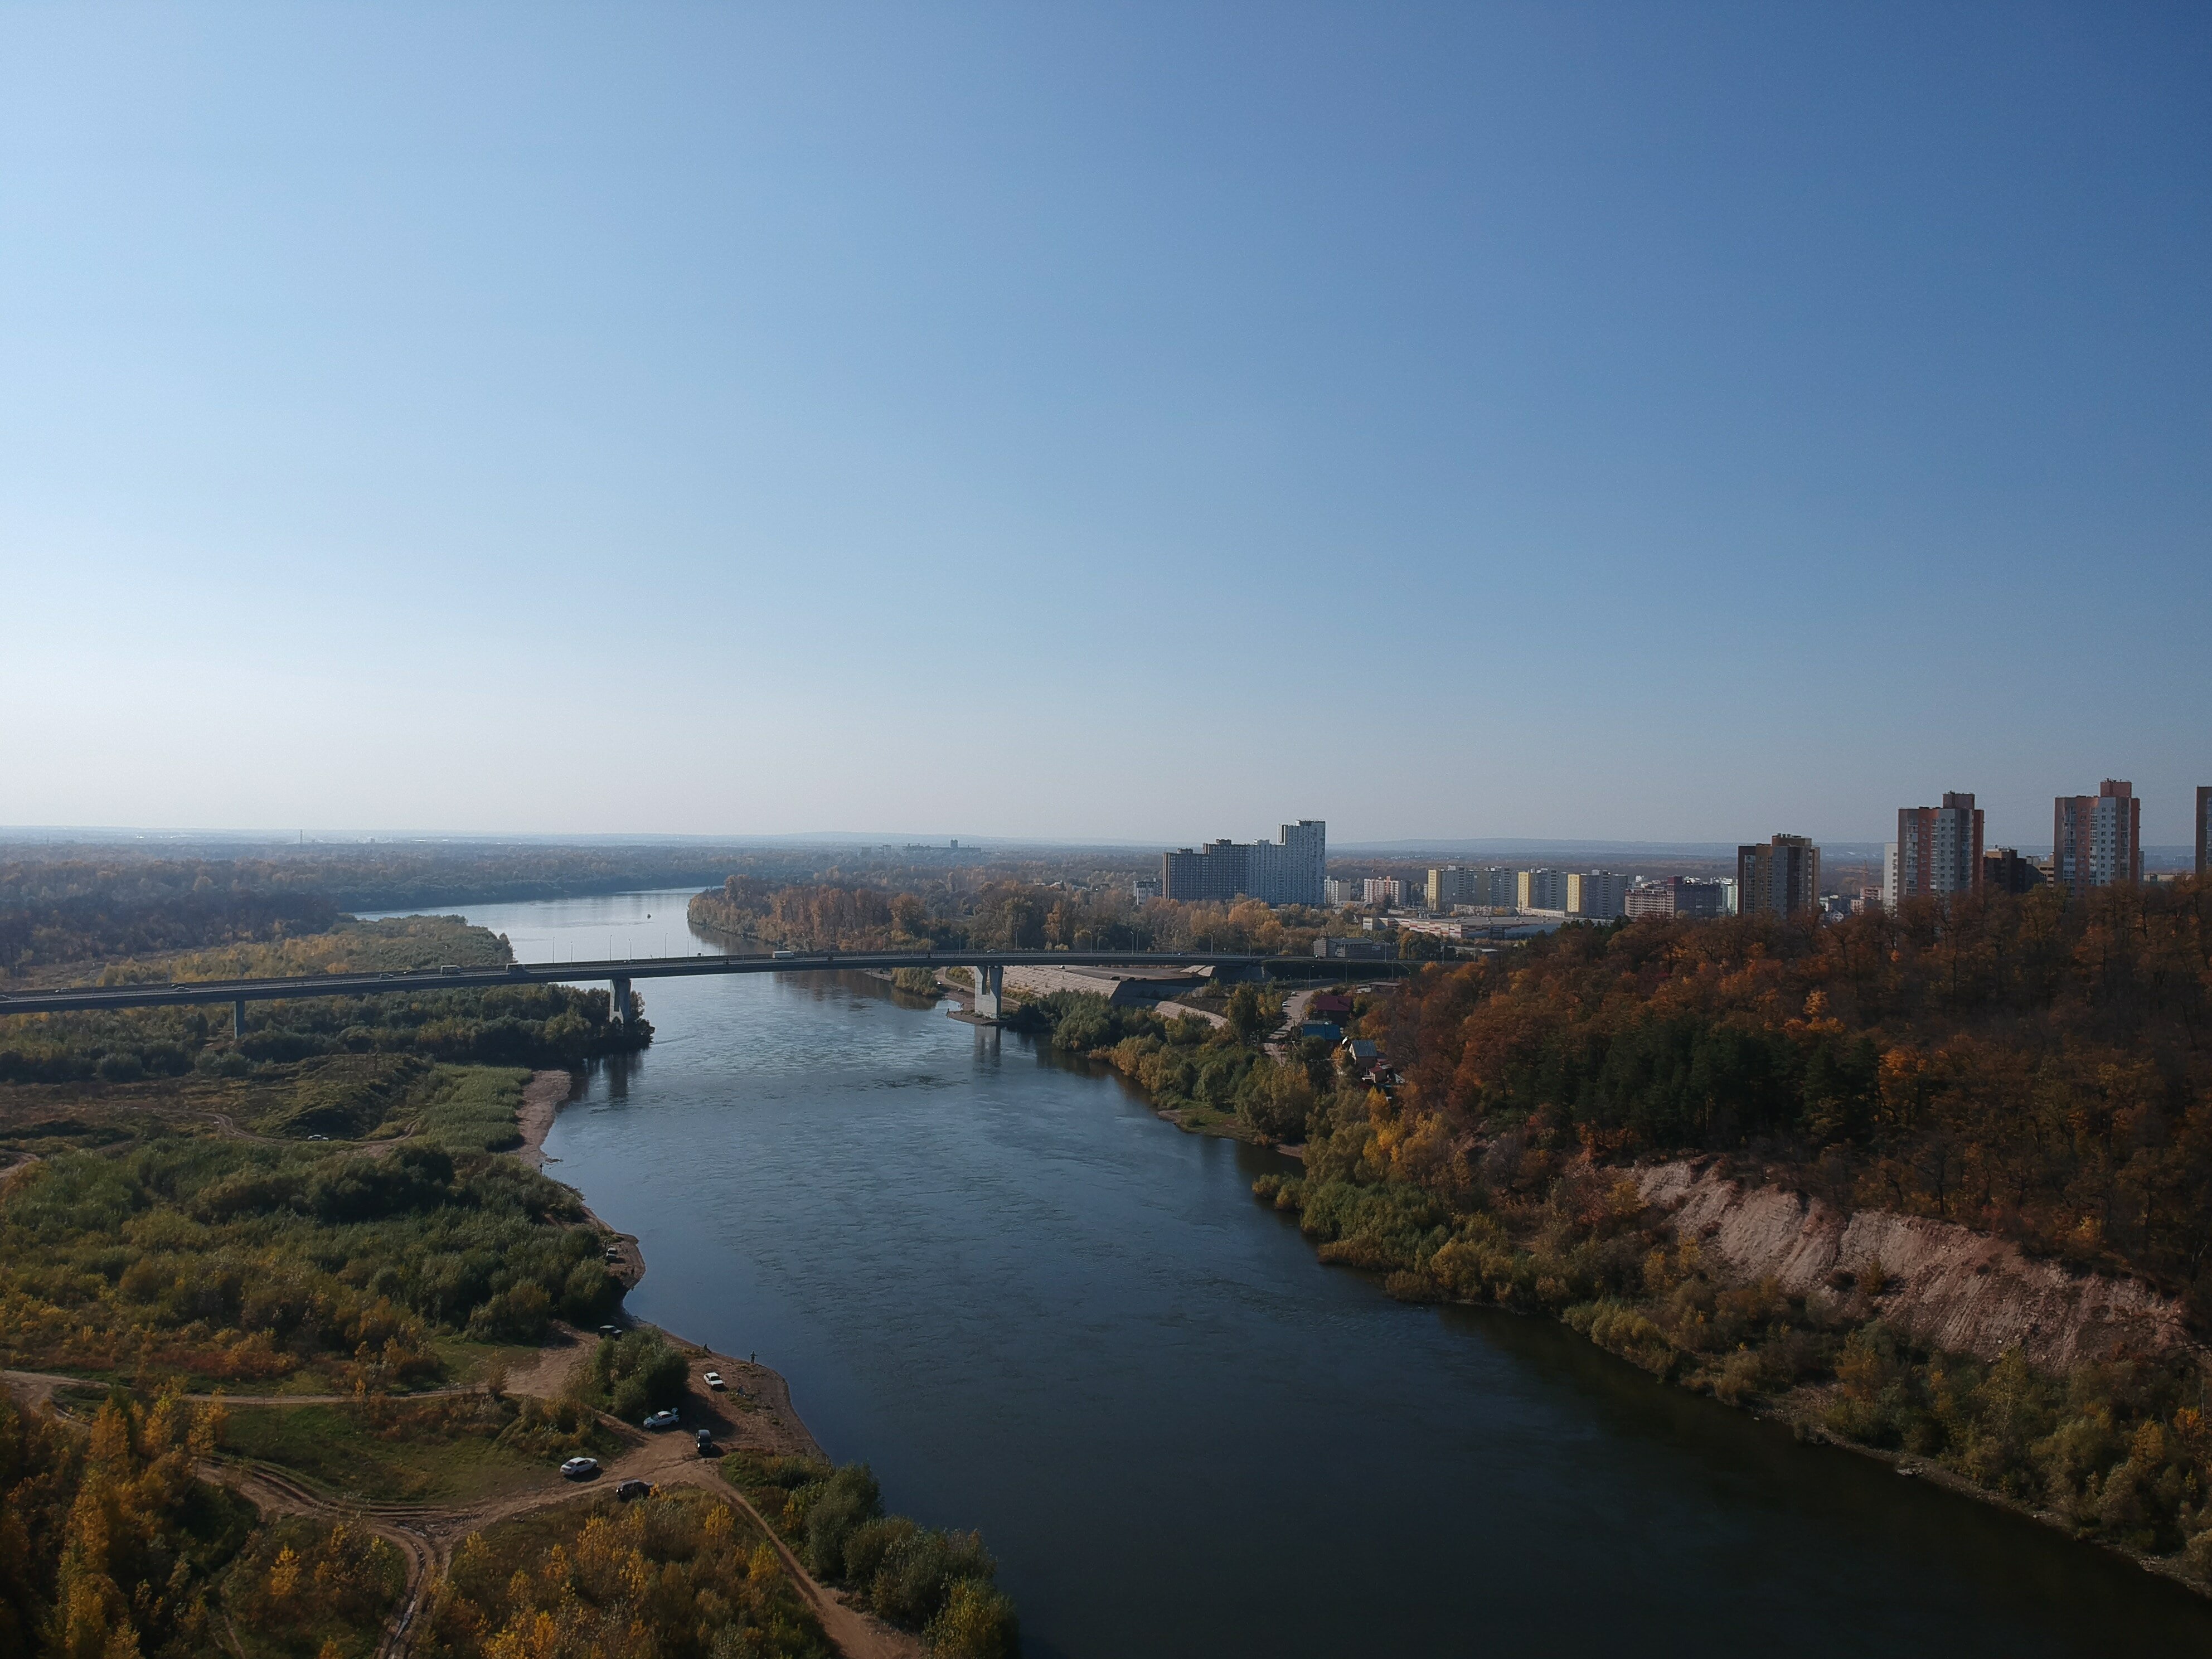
1515,423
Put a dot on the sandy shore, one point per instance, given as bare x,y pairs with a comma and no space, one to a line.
541,1097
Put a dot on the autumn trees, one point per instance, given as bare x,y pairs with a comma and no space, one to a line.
2018,1064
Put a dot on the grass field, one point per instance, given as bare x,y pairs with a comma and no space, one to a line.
431,1451
472,1109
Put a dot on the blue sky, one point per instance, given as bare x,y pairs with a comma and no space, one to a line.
1152,422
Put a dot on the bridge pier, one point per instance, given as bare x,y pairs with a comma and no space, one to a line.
990,990
621,1000
238,1019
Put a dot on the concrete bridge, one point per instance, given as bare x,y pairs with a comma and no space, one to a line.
990,969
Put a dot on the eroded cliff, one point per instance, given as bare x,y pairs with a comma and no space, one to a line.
1940,1283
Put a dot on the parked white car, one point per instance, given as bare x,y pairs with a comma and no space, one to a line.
662,1420
713,1379
581,1468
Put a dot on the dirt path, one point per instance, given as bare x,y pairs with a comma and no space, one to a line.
1294,1015
273,1493
546,1377
1181,1010
225,1126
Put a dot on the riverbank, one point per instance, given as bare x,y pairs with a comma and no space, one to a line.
752,1415
2089,1449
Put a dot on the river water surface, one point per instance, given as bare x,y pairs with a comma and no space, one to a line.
1037,1309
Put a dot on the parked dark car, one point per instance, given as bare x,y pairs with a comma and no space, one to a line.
706,1437
631,1489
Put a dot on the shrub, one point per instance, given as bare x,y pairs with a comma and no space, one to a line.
520,1313
834,1508
638,1373
977,1622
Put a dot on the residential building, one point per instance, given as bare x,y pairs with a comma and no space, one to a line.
1600,895
2204,827
1939,851
1677,896
1488,888
1336,891
1779,878
1497,888
1288,871
2005,872
1381,889
2096,840
1541,889
1453,884
1145,889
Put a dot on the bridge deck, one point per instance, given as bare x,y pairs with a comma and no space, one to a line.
79,998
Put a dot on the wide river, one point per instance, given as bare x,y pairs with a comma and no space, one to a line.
1037,1309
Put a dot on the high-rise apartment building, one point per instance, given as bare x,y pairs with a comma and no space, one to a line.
1677,896
1601,894
1779,877
1497,887
1939,851
1288,871
1541,889
1381,889
2204,827
1487,887
2096,840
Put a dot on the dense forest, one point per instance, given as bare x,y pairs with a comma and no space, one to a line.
675,1576
2027,1066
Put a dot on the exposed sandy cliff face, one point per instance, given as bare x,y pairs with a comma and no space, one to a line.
1943,1283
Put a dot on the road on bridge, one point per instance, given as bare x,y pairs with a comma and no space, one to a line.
80,997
